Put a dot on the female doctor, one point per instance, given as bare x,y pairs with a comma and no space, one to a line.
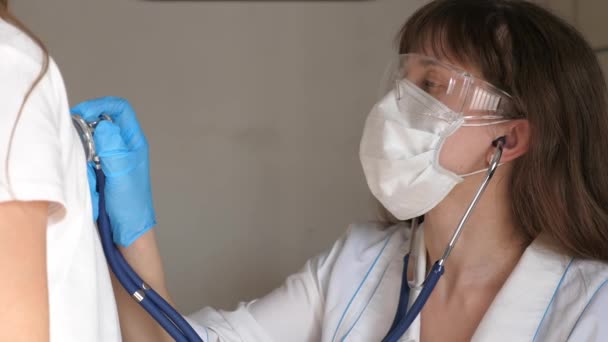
476,83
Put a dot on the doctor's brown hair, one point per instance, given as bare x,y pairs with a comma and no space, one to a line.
7,16
560,186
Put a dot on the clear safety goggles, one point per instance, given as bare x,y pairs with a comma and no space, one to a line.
476,101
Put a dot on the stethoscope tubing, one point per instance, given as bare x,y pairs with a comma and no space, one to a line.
437,270
171,320
160,302
113,256
411,314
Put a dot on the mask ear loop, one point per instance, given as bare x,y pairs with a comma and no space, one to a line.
502,140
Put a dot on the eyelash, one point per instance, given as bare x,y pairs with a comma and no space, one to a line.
427,84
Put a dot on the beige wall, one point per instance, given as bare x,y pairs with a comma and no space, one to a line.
589,16
253,110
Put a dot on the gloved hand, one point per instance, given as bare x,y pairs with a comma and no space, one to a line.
123,150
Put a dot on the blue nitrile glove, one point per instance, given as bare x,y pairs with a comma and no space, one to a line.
123,150
93,189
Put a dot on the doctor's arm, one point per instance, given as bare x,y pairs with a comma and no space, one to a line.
144,257
292,312
123,151
24,313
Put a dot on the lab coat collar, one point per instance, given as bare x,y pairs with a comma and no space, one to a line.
521,305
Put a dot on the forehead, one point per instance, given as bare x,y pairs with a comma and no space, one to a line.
448,58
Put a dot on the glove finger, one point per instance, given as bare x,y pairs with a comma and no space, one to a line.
108,140
121,112
116,158
90,110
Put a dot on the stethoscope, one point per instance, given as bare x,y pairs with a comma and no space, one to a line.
409,306
408,309
150,300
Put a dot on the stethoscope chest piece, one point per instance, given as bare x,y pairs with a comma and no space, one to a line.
150,300
85,132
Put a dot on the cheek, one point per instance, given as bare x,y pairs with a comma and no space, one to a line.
465,150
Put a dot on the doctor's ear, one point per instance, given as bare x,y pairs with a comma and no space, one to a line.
517,139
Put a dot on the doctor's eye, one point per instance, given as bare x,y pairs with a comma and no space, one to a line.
432,87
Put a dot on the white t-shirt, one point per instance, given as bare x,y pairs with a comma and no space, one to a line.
48,163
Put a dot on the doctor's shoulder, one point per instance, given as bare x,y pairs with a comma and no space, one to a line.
578,302
364,249
368,240
584,290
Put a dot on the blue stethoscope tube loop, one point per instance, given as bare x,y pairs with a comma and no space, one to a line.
166,316
437,270
411,314
157,299
113,257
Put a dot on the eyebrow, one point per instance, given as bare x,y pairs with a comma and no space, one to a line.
428,61
434,62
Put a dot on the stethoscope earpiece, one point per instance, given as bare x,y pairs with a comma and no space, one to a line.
502,140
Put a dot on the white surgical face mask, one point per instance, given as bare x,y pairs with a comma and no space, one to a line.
400,151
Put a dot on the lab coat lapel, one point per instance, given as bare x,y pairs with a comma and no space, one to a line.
367,313
519,307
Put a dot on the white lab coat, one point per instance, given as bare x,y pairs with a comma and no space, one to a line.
351,293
